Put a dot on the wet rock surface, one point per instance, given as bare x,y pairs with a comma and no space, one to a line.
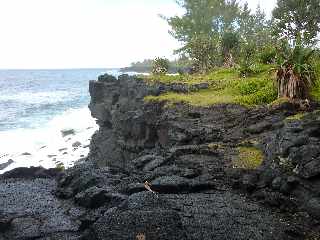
6,164
158,172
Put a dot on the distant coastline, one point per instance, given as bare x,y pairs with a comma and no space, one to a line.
147,69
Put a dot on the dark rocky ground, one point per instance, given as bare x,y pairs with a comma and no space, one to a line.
187,156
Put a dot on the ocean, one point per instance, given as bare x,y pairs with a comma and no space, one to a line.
36,106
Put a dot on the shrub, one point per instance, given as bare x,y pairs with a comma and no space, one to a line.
249,87
267,55
160,66
203,51
246,60
264,95
295,73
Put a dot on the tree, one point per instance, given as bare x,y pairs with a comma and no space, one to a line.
203,51
246,24
261,29
254,28
297,17
246,59
201,28
200,18
295,73
160,66
230,41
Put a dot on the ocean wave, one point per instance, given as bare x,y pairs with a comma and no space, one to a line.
37,97
42,143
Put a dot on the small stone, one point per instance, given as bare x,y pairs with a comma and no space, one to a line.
313,207
249,181
156,162
5,224
310,169
67,132
292,180
26,154
276,183
62,149
6,164
96,197
76,144
285,188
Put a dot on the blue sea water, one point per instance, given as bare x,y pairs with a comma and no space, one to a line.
35,106
30,98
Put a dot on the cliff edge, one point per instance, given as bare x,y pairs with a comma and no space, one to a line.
175,171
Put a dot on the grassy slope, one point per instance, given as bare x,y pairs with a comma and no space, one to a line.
225,87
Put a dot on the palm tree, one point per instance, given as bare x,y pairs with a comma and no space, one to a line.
230,41
295,73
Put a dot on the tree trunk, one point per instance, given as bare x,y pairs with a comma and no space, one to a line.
290,85
228,59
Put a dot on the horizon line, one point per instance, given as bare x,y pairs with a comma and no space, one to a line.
68,68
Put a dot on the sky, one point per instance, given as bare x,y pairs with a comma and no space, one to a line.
47,34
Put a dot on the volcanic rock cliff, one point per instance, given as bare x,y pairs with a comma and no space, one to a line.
160,171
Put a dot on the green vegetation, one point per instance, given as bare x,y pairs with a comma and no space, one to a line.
160,66
225,86
298,116
248,158
315,115
315,91
267,55
214,31
145,66
60,166
295,73
218,34
245,58
292,19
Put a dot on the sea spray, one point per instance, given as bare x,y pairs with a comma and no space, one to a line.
46,146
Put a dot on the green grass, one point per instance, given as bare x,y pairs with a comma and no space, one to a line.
216,77
296,117
248,158
225,86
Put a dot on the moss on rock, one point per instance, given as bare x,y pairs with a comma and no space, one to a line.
297,117
248,158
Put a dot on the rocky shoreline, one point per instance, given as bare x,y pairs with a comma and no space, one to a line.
172,172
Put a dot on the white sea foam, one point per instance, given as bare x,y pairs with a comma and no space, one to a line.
37,97
47,146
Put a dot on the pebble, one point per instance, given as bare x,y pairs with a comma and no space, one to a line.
26,154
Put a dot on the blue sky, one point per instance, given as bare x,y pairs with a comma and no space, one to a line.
86,33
